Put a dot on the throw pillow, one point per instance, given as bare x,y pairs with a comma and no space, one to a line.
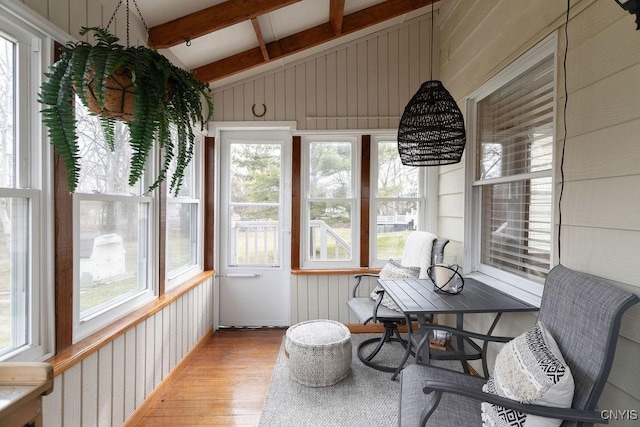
394,270
529,369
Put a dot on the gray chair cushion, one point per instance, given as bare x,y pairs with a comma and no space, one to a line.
452,411
363,308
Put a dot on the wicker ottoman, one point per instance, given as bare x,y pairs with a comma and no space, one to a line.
319,352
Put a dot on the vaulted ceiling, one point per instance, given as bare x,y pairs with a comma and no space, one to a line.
226,40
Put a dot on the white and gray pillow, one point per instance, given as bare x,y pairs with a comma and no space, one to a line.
529,369
394,270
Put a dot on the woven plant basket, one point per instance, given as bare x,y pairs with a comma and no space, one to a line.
118,98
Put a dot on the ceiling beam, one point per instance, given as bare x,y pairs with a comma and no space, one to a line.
306,39
336,15
211,19
260,37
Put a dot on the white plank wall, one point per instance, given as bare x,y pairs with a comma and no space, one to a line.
601,226
363,84
71,15
325,297
107,386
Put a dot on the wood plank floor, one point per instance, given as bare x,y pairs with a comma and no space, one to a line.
224,383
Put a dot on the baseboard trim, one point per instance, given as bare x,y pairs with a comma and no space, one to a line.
373,328
155,395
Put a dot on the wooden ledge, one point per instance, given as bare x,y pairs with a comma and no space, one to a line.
74,354
301,272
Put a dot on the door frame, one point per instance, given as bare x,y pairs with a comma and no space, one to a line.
215,129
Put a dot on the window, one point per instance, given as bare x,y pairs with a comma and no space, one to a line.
255,203
398,200
511,159
112,226
183,223
330,199
23,303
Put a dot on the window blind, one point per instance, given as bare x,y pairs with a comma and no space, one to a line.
514,173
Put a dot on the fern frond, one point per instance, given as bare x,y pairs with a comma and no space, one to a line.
108,126
60,118
96,64
143,127
166,143
78,59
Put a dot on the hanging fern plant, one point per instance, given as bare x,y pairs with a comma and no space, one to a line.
132,84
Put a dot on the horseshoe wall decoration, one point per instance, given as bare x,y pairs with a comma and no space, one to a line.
253,110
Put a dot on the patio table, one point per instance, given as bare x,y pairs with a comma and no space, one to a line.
418,299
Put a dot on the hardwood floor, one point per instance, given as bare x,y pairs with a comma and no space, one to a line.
224,383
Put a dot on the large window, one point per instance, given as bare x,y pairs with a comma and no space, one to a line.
330,202
512,163
23,307
112,229
397,204
183,223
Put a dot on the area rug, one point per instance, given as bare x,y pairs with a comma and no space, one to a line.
367,397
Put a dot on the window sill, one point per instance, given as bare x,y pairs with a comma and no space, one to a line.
79,351
506,287
328,272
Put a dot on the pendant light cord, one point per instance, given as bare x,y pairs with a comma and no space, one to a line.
564,120
431,48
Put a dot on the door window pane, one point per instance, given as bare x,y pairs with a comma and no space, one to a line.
255,193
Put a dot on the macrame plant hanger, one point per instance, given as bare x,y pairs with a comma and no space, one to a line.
119,96
431,130
127,14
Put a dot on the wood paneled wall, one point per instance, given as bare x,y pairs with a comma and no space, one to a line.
364,84
71,15
107,386
601,202
325,296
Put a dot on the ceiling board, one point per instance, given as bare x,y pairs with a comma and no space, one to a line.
291,29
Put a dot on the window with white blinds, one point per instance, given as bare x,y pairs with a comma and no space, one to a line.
514,138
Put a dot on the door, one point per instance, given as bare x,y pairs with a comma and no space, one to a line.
254,247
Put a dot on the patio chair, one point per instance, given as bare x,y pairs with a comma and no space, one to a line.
419,251
582,313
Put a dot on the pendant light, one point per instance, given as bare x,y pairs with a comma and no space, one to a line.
431,130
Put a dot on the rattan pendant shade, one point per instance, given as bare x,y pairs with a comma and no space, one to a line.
431,131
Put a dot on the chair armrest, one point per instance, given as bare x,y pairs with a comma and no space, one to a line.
569,414
378,302
358,278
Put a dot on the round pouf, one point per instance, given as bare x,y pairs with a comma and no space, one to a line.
319,352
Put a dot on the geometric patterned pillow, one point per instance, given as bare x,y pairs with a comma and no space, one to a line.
529,369
393,270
